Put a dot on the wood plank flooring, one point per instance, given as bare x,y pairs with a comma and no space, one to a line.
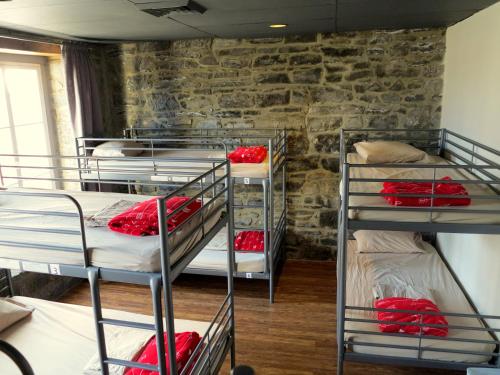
294,336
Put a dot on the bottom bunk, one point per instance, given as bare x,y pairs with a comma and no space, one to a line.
214,257
467,340
59,338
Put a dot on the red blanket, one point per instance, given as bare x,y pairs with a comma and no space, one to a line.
249,240
185,343
400,303
142,218
426,188
252,154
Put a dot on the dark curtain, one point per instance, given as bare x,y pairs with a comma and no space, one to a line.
83,91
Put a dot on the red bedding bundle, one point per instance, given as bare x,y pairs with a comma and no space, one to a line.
452,188
252,154
185,343
400,303
142,218
249,240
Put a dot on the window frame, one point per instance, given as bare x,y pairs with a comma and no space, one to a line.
41,65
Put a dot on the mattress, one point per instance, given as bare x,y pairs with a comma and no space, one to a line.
415,173
214,257
107,249
425,270
132,167
59,338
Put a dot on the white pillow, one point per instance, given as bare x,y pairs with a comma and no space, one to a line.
11,312
116,149
375,241
388,152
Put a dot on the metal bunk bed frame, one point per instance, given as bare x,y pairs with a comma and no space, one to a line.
274,230
481,162
218,340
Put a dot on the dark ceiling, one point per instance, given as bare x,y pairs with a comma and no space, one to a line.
121,19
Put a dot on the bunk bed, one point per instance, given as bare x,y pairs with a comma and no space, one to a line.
266,180
367,333
54,231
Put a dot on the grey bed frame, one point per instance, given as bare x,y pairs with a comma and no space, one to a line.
274,225
482,163
213,186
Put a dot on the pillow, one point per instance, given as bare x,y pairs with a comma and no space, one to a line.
116,149
251,154
185,344
12,312
249,240
388,152
374,241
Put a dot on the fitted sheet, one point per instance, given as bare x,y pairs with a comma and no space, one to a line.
424,270
59,338
414,173
107,248
132,167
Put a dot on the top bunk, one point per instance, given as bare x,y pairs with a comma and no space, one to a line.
274,140
54,221
428,180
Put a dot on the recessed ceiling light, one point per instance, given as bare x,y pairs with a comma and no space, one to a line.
278,25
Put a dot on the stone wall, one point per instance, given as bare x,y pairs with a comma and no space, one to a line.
311,84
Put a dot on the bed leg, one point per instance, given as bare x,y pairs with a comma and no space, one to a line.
271,286
340,364
93,275
155,285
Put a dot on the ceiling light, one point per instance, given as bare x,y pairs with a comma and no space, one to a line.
278,25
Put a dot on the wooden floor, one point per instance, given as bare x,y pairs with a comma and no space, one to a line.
295,335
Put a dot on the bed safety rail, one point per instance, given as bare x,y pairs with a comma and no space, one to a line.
473,165
29,179
421,344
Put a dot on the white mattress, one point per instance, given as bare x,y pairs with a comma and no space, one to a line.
414,173
107,248
131,168
214,257
60,338
425,270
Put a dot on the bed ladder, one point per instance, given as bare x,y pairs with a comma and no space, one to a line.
100,322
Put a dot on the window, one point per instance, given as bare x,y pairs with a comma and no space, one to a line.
24,122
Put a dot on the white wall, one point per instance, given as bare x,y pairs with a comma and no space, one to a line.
471,106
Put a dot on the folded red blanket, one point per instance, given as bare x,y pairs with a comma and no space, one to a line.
142,218
249,240
185,343
426,188
252,154
400,303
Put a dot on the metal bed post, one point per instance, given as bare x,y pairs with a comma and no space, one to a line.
270,255
167,285
230,259
82,184
341,292
283,189
93,275
265,209
442,141
155,286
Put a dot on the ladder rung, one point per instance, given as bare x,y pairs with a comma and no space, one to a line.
125,323
122,362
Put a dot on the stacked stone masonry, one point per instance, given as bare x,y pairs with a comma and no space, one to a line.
313,85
